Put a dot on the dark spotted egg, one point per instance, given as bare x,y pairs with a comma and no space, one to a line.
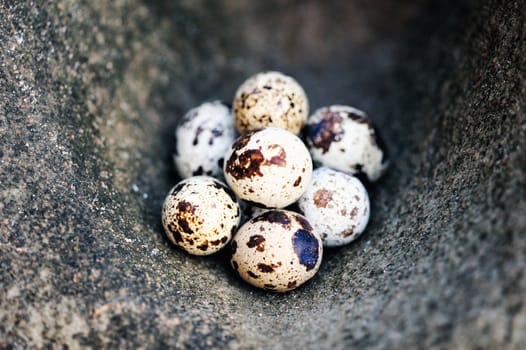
200,215
344,138
269,167
270,99
202,137
278,251
337,205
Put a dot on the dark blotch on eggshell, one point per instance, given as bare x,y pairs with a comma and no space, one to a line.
252,274
203,246
304,223
292,284
323,133
274,216
215,133
306,247
198,132
360,118
348,232
265,268
246,165
198,171
233,247
219,241
256,241
297,182
242,141
185,209
269,286
175,233
177,188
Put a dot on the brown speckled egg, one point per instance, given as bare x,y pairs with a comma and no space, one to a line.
277,251
344,138
270,99
337,206
270,167
200,215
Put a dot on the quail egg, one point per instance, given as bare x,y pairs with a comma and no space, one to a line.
200,215
270,99
277,250
202,138
344,138
269,167
337,205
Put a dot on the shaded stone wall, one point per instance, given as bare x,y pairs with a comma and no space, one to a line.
90,92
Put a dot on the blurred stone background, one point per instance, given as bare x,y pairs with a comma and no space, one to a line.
90,92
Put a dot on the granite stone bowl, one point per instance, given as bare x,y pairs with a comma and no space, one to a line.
90,93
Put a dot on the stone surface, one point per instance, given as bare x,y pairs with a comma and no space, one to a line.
90,92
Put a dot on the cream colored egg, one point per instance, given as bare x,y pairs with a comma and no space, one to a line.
277,251
200,215
270,167
270,99
337,205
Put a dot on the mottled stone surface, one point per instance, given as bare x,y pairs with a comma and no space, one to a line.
90,92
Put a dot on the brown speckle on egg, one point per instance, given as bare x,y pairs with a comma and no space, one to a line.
322,198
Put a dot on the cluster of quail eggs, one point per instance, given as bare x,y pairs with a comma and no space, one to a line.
271,182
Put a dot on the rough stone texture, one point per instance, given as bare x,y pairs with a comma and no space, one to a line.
90,92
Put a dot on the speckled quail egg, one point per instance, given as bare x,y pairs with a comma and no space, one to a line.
344,138
337,205
200,215
277,250
269,167
270,99
202,138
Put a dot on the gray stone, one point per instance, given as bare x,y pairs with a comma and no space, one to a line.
90,92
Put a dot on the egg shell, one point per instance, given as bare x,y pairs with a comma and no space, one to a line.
278,251
270,99
337,205
269,167
202,138
344,138
200,215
